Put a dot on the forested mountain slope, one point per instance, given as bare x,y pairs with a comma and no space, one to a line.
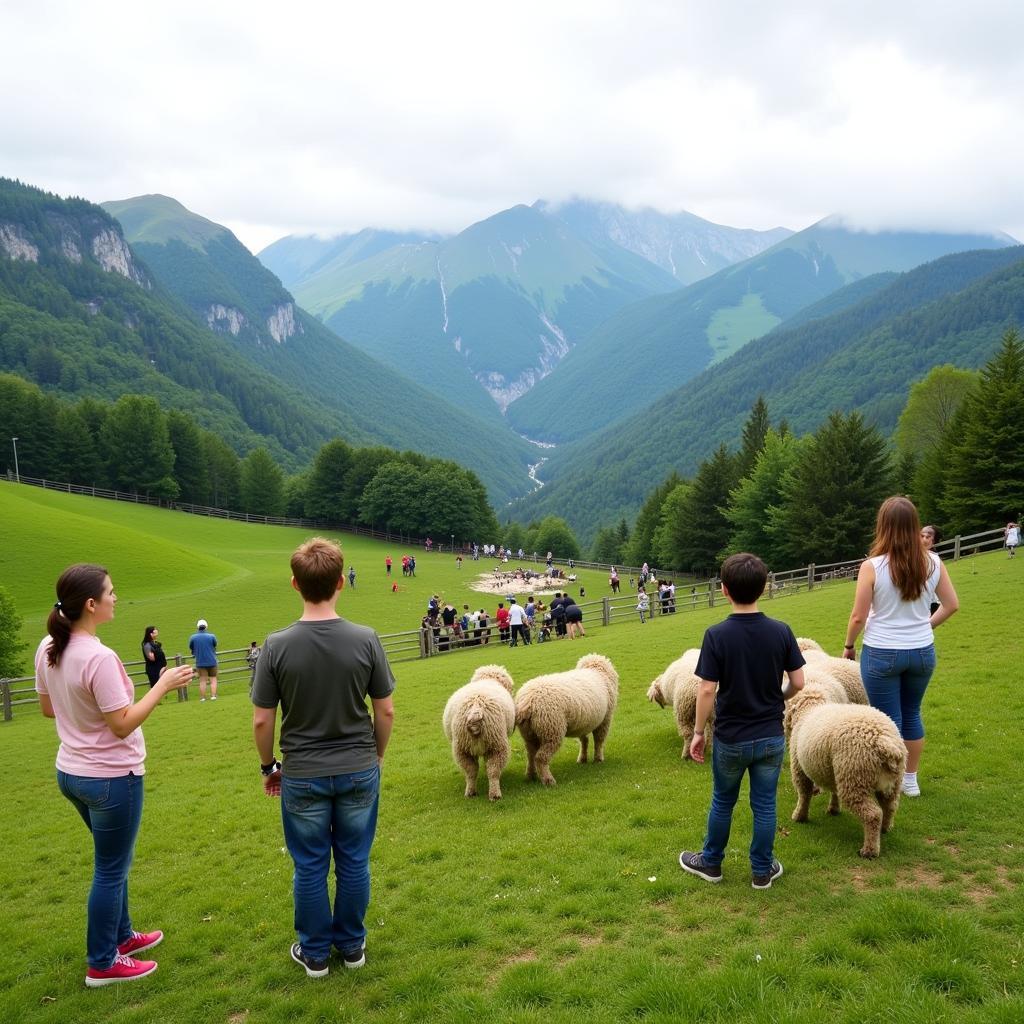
863,358
226,287
651,347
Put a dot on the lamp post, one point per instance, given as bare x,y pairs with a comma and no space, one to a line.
453,543
17,475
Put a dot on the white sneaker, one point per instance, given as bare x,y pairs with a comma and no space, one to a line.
910,787
213,698
202,700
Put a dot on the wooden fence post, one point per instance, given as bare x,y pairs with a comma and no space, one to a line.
810,576
606,611
182,691
956,548
5,693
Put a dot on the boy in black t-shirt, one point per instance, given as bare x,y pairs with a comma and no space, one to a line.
745,656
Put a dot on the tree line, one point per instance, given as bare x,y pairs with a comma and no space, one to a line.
133,445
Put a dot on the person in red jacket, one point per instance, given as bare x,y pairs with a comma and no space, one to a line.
501,617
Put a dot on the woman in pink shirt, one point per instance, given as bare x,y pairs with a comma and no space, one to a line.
101,759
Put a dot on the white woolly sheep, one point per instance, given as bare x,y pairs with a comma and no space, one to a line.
578,703
854,752
678,686
846,671
820,677
479,719
806,644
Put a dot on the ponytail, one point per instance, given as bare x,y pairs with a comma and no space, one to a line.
77,584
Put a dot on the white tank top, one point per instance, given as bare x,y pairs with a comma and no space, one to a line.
895,624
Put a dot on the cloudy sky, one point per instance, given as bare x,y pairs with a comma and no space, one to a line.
314,117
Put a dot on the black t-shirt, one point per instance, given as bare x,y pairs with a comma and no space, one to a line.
747,655
448,616
557,609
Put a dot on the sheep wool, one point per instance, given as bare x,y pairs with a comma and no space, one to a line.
577,703
478,720
678,686
845,670
855,752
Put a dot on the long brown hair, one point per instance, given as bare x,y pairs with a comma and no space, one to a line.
76,585
898,537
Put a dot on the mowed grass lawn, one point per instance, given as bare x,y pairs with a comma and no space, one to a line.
553,905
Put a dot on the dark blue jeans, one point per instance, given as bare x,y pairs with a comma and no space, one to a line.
895,682
112,811
729,761
334,813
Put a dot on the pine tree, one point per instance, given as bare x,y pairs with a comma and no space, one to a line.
703,529
137,448
641,544
325,490
262,484
12,660
984,479
755,430
190,469
831,494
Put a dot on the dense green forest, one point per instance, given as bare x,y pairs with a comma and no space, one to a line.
862,359
134,446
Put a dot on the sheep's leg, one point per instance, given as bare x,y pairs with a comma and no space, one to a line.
545,752
584,744
863,805
532,747
600,735
833,803
803,786
686,731
470,767
889,802
495,766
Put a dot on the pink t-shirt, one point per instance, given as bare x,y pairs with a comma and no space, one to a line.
89,680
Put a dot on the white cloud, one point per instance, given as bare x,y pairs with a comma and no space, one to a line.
314,117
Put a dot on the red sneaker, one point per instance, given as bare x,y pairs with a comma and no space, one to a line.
139,942
124,968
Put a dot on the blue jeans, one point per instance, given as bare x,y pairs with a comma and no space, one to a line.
895,682
333,813
112,811
763,760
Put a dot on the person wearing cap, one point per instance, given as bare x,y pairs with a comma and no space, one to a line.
203,645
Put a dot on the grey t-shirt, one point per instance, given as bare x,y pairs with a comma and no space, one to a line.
321,674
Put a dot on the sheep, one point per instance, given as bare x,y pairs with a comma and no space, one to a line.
574,703
854,752
845,670
478,720
678,684
820,677
806,644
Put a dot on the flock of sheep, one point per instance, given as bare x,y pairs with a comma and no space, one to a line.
836,742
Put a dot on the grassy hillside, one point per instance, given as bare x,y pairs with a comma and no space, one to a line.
862,358
564,905
651,347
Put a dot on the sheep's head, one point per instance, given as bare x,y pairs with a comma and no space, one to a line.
498,673
804,701
806,644
655,694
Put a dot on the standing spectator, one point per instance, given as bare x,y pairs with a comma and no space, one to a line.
458,561
101,759
744,658
387,565
558,614
251,657
548,560
896,585
517,620
153,652
501,617
320,670
485,626
930,536
448,615
573,618
531,616
412,565
203,645
672,596
352,576
1011,533
642,604
613,580
405,565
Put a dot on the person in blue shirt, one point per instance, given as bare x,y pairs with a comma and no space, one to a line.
203,645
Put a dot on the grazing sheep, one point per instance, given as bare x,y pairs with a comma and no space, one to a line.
806,644
479,719
574,703
678,685
846,671
854,752
820,677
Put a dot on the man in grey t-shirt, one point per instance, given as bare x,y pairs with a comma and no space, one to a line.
320,670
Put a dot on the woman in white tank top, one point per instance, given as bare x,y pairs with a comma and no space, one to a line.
896,589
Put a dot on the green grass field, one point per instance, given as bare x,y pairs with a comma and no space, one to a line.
552,905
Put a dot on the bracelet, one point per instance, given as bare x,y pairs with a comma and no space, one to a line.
848,647
268,769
